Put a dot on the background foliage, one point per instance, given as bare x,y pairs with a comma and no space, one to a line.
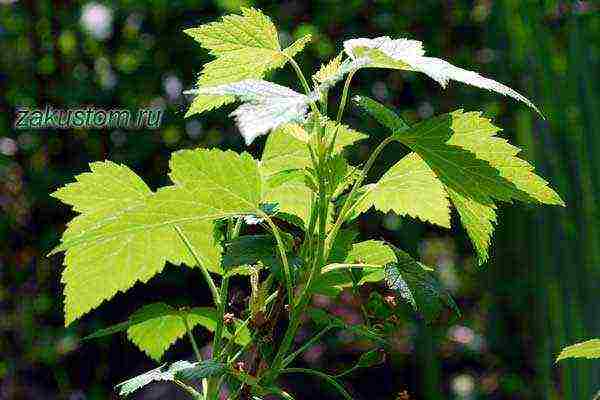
538,292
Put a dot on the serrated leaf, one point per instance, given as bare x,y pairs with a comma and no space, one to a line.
329,70
246,46
201,370
266,105
418,287
156,327
110,249
251,250
372,255
476,168
588,349
410,188
162,373
407,54
284,152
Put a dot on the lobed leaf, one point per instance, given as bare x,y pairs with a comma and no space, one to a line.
246,46
475,167
111,248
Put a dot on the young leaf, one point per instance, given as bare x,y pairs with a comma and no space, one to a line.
110,249
327,71
246,46
409,55
419,288
266,105
284,152
587,349
476,168
162,373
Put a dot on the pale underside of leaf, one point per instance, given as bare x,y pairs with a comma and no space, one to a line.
409,55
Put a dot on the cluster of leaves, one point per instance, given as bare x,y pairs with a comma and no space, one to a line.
302,195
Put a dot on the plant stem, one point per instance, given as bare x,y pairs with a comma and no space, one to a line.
345,95
220,315
303,80
321,375
190,390
189,333
284,259
347,207
209,280
197,353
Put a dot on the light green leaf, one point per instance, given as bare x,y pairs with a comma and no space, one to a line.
411,188
284,151
246,46
155,335
110,249
370,255
329,70
587,349
155,327
476,168
371,252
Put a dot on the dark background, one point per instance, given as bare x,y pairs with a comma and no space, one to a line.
538,293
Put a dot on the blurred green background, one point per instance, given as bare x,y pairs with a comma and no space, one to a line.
538,293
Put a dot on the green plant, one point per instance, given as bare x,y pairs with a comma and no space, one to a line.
302,195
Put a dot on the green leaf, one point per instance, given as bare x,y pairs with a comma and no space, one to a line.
155,327
252,250
370,359
329,70
148,312
410,188
284,152
109,249
476,168
382,114
419,288
587,349
154,336
204,369
246,46
162,373
322,318
370,252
